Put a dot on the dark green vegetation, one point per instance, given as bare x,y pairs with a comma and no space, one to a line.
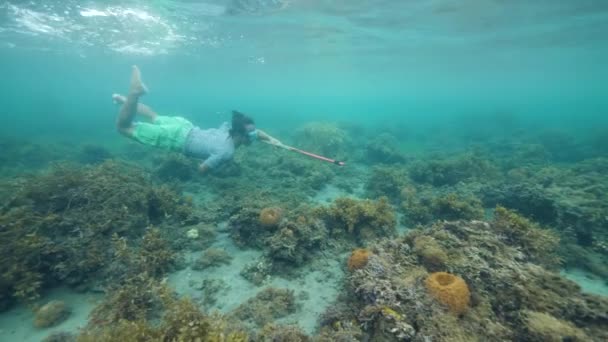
59,226
504,217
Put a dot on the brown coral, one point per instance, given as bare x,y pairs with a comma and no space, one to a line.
270,216
432,255
450,290
358,259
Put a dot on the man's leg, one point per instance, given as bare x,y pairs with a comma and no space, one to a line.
124,123
142,109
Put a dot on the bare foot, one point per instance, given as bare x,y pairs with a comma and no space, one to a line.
119,99
137,86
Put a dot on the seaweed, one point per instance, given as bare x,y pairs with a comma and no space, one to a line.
387,181
174,166
359,220
57,227
422,208
450,171
181,320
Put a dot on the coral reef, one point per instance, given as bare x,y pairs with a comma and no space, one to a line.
138,298
110,226
51,313
181,320
267,306
538,244
210,288
358,259
291,333
175,166
421,207
384,148
544,327
571,199
449,171
362,220
212,257
296,240
246,229
270,216
450,290
387,181
323,138
257,271
500,281
56,227
430,252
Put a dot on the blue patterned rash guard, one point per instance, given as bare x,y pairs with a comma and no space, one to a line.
214,145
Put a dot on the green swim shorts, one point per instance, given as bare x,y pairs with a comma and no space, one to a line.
166,132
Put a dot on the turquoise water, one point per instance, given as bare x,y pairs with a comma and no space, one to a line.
363,61
506,97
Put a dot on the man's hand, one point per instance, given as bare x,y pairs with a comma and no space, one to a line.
275,142
265,137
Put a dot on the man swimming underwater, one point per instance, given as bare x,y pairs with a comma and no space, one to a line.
174,133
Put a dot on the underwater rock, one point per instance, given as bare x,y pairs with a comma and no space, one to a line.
450,290
51,313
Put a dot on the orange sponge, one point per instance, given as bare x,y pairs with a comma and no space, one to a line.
450,290
358,259
270,216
